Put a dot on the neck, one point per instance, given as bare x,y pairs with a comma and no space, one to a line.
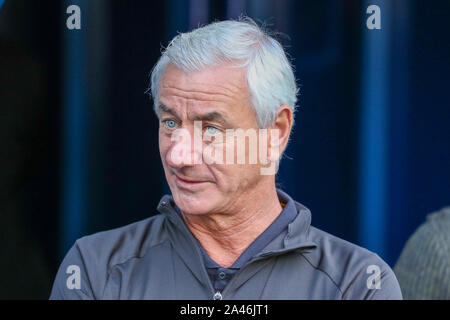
224,236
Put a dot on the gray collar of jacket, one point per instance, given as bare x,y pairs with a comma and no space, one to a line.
295,238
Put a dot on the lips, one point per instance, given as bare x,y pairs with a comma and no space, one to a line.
188,180
188,183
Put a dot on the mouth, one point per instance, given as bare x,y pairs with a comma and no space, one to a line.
188,183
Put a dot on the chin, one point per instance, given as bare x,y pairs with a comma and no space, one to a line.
193,203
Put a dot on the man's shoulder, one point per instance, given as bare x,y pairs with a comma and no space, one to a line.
348,265
334,247
117,245
95,255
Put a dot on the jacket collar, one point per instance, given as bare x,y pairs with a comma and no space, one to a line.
296,237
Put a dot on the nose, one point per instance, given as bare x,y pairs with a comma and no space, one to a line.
185,150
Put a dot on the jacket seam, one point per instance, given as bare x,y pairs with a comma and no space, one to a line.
270,274
323,271
134,256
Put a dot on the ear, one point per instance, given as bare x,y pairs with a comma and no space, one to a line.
283,125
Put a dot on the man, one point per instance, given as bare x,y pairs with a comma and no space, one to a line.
226,232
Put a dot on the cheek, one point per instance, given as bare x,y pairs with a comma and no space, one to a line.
233,177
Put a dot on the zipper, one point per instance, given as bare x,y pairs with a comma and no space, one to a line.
217,296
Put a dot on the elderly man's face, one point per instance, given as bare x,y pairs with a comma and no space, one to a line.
218,97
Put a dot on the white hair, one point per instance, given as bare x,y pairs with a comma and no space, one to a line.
270,76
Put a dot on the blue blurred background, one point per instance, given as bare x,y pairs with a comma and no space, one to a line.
369,154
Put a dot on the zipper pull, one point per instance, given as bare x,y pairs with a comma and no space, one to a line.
217,296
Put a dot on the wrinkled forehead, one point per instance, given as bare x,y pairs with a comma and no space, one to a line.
225,80
223,89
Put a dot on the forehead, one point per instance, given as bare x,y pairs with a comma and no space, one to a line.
222,83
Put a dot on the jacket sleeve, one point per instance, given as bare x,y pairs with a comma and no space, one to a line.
72,280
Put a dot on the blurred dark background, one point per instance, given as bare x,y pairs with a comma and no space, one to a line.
79,150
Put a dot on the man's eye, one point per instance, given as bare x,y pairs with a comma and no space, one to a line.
170,124
212,130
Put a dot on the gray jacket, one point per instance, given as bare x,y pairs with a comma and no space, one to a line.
158,258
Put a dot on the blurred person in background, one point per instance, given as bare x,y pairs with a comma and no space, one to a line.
423,269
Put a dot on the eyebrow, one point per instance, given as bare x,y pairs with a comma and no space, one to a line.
213,116
210,116
164,108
